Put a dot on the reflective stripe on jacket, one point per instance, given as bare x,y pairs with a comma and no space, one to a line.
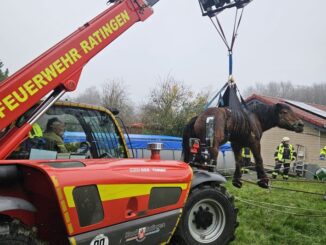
279,154
323,151
36,131
246,153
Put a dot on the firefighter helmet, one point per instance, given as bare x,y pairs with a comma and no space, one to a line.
285,139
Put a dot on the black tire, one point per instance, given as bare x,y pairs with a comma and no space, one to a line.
12,232
209,218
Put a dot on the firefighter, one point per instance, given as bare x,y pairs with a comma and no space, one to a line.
246,159
54,135
323,153
35,137
35,140
284,154
36,131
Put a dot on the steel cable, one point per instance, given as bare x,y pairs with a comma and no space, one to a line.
254,203
286,189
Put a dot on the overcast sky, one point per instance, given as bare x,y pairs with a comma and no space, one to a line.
279,40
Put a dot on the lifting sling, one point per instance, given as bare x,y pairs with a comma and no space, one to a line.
228,95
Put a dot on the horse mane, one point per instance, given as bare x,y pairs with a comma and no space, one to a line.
241,123
266,114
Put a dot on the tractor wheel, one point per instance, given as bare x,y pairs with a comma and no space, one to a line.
14,233
209,218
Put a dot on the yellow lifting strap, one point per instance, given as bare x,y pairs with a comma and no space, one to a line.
36,131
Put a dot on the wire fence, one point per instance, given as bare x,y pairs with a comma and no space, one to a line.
274,207
266,206
285,189
283,208
223,171
271,206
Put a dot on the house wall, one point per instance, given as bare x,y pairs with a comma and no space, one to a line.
311,138
322,139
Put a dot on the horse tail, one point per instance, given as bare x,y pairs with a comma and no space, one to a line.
188,132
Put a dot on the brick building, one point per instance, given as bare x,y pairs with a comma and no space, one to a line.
313,137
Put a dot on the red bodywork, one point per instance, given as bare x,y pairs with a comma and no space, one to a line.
42,193
61,66
48,188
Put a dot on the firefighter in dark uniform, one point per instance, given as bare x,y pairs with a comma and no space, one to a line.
284,155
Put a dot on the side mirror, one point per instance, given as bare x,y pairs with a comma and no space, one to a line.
114,111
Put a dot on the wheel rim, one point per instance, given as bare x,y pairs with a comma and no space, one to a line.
206,231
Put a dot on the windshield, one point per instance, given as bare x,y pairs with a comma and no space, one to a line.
67,132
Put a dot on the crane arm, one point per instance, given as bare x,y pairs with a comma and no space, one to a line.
58,69
62,64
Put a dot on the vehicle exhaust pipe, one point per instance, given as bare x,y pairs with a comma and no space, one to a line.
155,149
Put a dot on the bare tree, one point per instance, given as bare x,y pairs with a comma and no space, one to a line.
3,74
318,93
90,95
111,94
170,105
314,93
114,94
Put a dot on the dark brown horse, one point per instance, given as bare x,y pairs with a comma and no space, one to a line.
244,128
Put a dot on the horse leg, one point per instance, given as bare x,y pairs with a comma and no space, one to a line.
237,173
261,175
218,138
213,151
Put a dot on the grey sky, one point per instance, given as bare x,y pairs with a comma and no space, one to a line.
279,40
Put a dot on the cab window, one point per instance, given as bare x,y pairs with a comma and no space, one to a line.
67,132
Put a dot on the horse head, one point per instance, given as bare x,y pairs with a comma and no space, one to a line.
287,119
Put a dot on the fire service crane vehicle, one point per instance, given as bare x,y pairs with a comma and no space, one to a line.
92,193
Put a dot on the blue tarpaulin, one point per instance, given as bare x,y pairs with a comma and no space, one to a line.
225,147
140,141
70,137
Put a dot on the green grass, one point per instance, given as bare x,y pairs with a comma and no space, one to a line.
259,225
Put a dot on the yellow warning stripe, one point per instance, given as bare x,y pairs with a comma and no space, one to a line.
63,205
72,241
119,191
175,227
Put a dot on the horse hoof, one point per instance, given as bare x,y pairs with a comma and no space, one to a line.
263,183
237,183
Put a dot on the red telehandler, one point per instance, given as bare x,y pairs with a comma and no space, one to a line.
102,198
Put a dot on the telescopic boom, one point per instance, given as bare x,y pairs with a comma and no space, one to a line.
58,70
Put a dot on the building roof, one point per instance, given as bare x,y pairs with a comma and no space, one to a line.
308,114
137,125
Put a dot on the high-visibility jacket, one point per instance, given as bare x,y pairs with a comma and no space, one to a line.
36,131
55,142
284,153
323,152
246,152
